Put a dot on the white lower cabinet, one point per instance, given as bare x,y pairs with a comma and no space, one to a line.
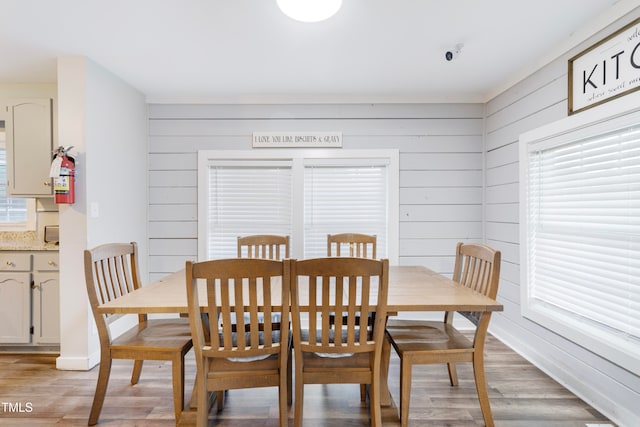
15,308
29,298
46,298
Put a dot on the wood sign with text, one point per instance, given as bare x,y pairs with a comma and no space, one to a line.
297,139
607,70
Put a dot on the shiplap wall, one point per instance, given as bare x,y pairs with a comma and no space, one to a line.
536,101
441,173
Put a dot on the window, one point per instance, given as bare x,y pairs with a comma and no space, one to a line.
580,249
246,197
305,194
16,214
344,198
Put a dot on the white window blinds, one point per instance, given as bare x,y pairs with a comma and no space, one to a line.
344,199
581,249
585,229
12,210
246,199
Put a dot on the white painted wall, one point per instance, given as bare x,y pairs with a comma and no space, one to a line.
105,120
538,100
440,149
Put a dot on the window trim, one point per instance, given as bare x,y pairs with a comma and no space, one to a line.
608,117
30,223
315,155
277,182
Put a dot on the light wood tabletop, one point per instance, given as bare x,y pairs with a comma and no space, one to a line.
411,288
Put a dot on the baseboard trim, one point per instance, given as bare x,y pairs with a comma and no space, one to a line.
64,363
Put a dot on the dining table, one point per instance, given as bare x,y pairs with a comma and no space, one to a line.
411,289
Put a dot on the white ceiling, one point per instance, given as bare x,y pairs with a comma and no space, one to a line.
247,51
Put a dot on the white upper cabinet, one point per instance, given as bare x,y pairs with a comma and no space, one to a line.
29,147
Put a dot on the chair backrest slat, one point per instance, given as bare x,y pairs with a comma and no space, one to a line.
325,308
120,276
366,308
267,303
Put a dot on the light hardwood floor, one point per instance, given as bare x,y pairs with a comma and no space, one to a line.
521,396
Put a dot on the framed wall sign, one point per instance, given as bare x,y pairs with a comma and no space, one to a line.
607,70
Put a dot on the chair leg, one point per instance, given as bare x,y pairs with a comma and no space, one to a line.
284,394
363,392
137,370
299,398
177,369
453,373
220,400
202,396
289,380
374,402
406,366
385,395
101,390
193,403
481,388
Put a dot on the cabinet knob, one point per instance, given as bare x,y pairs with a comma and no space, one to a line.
10,263
52,263
48,184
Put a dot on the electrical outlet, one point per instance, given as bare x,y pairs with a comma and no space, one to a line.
94,210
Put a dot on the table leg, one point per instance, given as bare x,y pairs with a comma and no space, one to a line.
385,394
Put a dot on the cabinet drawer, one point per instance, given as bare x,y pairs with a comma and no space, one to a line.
12,261
46,261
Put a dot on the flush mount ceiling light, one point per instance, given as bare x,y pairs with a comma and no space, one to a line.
309,10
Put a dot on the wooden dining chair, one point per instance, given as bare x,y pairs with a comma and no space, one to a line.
424,342
111,271
264,246
340,352
352,245
250,289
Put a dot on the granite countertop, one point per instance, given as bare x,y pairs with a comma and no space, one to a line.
24,241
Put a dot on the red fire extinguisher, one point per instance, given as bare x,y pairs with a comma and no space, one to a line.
63,171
